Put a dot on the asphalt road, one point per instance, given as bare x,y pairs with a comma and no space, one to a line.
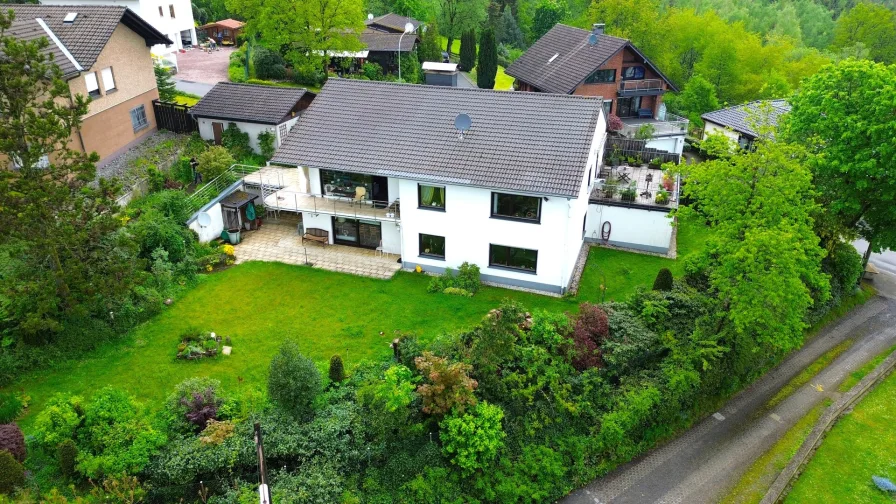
702,464
196,88
885,261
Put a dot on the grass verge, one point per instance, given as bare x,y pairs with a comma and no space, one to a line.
807,374
188,99
857,375
860,445
759,477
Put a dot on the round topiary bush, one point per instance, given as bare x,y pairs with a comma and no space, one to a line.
663,280
293,380
67,454
337,370
12,473
13,441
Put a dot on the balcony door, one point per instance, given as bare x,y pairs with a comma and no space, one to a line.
357,232
628,107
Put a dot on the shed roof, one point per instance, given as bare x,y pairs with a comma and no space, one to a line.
563,58
86,37
232,24
743,118
248,102
383,41
527,142
392,22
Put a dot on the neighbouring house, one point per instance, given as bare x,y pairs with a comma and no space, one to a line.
509,192
440,74
174,18
225,31
739,123
253,108
385,48
104,53
391,23
569,60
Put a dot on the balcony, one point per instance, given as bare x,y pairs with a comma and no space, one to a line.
641,87
671,126
637,187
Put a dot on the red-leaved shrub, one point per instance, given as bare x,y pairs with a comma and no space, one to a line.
591,329
13,441
614,123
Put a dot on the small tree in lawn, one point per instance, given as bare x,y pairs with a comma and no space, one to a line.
293,380
468,51
167,88
488,60
448,385
663,280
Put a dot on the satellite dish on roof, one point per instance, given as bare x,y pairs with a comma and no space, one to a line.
462,122
370,17
204,219
592,39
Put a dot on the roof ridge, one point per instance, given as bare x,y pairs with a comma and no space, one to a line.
460,89
266,86
589,31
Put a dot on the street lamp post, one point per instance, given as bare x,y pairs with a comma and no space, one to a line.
408,28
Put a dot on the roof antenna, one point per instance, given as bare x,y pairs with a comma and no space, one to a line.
462,123
592,39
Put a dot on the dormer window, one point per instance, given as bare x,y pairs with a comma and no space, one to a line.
553,58
70,18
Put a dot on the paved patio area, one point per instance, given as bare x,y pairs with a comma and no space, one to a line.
196,65
277,241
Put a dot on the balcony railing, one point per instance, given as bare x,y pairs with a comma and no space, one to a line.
640,87
333,205
672,125
637,192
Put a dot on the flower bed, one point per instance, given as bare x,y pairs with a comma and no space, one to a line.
200,345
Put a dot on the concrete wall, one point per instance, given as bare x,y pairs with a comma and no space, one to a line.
674,144
206,130
634,228
212,231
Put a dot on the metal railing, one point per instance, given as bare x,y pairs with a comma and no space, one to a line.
214,186
646,194
672,125
333,205
634,86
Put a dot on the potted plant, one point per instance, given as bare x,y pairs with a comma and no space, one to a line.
662,197
655,163
615,157
629,193
668,182
609,188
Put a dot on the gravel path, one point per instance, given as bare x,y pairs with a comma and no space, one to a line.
704,462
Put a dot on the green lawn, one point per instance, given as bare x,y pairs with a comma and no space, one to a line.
503,82
623,271
856,376
862,444
186,99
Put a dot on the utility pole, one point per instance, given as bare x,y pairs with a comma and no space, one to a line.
264,493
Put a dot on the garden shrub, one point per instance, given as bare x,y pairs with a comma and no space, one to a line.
67,455
216,432
155,178
58,420
213,162
13,441
337,370
409,348
448,385
12,473
236,141
181,171
268,64
467,279
266,144
153,231
195,146
456,291
194,402
663,281
590,330
844,267
630,345
293,380
10,407
372,71
308,75
472,440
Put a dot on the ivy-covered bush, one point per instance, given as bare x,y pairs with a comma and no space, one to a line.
13,441
472,440
236,141
293,380
266,144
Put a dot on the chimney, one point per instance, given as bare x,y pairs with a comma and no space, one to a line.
598,28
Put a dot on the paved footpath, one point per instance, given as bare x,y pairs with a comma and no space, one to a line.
702,464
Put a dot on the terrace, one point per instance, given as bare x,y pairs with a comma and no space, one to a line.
641,87
670,125
635,186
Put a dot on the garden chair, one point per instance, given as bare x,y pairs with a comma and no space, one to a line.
360,193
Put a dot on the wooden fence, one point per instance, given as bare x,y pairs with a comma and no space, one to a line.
174,117
625,147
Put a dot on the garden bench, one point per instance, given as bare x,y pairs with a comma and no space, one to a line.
645,113
316,234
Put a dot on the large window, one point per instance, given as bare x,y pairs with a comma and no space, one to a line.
633,72
93,87
601,76
431,197
520,259
432,246
138,118
108,80
514,206
346,184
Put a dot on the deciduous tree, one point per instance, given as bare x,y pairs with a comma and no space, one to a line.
547,14
458,16
873,26
448,384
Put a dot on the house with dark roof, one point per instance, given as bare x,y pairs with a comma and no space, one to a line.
225,31
253,108
391,23
739,123
445,175
570,60
104,53
385,48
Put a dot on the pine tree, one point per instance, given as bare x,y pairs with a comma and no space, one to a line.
663,280
488,60
429,49
337,370
468,51
167,89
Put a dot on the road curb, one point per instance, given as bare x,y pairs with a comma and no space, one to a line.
788,476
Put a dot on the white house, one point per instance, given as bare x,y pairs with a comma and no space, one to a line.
253,108
395,166
739,123
174,18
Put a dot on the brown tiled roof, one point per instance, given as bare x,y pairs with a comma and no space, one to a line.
232,24
528,142
86,37
30,29
391,22
383,41
248,102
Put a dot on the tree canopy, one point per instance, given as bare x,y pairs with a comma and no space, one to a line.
872,26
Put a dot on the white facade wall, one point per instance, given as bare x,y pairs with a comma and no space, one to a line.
634,228
713,128
207,132
212,231
391,231
673,144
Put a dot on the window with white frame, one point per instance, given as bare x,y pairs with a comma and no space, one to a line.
283,131
108,79
93,87
138,118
